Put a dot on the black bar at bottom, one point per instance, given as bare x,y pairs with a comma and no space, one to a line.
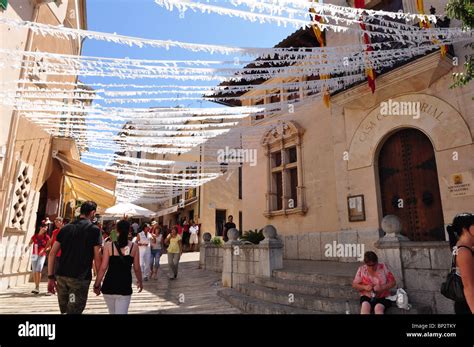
317,330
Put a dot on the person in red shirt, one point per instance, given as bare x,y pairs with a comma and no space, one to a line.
39,241
58,224
180,229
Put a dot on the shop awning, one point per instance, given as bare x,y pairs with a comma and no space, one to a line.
84,190
76,169
166,211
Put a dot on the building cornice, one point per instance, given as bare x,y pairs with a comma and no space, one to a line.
417,75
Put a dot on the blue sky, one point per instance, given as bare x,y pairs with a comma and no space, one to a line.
144,18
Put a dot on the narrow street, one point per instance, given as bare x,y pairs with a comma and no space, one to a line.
193,292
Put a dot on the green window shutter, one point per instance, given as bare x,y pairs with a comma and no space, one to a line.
3,4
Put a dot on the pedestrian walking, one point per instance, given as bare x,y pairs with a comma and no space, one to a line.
38,256
143,241
135,228
185,235
461,240
175,249
156,249
58,223
119,257
194,238
80,244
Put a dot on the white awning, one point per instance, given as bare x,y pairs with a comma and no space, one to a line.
128,209
166,211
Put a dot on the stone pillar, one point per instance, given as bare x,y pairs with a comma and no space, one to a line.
242,264
300,203
270,252
228,266
206,240
389,247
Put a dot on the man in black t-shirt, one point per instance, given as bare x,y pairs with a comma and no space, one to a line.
79,243
227,226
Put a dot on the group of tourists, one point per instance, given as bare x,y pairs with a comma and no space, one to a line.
189,233
153,240
374,281
78,249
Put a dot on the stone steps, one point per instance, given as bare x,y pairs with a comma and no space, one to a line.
308,302
248,304
315,289
298,300
304,287
314,278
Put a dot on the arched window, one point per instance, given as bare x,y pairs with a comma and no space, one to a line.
285,187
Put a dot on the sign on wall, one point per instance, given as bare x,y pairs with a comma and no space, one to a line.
460,184
356,208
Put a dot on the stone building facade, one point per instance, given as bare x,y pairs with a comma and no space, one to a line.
40,174
328,176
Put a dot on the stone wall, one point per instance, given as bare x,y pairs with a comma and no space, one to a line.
244,261
313,246
419,267
241,264
211,257
425,266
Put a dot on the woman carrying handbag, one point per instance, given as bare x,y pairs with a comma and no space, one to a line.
459,285
118,260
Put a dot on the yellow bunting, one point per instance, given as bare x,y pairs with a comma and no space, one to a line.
426,24
316,29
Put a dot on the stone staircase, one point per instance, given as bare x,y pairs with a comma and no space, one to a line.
303,287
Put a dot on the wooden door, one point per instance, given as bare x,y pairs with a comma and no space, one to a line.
220,221
409,185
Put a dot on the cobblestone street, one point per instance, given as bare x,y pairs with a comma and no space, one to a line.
194,291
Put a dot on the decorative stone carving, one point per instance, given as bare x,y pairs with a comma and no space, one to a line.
392,226
233,234
207,237
270,232
441,121
282,130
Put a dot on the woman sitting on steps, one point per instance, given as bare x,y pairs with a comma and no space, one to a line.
374,281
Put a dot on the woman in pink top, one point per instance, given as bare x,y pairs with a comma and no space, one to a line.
374,281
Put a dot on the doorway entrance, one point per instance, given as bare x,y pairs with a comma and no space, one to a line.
220,221
409,185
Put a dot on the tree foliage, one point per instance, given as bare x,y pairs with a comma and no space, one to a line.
463,10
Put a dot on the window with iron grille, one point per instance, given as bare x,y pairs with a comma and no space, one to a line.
20,199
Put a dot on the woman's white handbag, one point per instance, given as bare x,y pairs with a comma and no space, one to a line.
401,298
